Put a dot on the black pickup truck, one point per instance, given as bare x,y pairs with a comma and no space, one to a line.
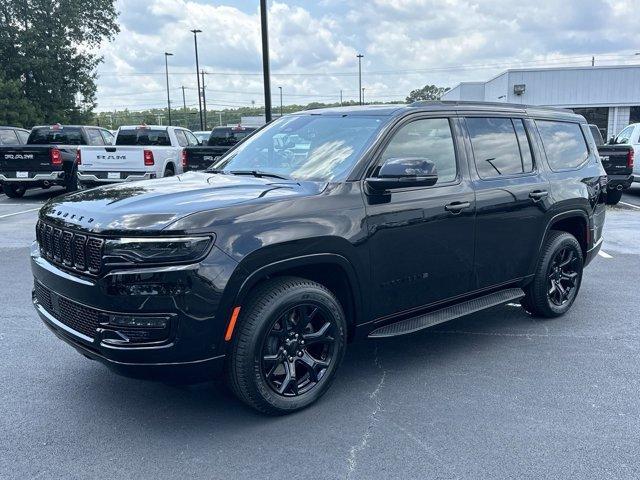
617,157
322,229
221,140
48,158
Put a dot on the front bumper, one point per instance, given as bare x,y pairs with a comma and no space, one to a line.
194,347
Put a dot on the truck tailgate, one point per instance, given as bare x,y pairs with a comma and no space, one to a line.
116,159
201,158
616,159
26,159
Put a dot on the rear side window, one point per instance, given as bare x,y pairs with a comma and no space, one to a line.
182,139
500,146
57,135
429,138
564,144
8,137
144,137
22,136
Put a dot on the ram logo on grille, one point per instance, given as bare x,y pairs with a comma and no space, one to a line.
75,251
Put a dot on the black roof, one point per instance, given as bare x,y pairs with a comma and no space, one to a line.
435,106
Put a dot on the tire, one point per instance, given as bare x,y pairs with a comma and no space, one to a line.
257,368
168,172
14,191
613,196
558,277
71,183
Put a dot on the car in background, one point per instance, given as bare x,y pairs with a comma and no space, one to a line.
221,140
140,152
202,136
618,159
48,158
13,136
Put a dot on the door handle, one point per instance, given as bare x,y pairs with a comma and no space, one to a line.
538,195
457,207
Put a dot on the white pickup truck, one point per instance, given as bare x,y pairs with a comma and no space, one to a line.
140,153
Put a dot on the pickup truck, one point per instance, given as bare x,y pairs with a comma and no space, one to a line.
140,152
48,158
220,141
617,157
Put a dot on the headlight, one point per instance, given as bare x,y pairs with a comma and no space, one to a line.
156,249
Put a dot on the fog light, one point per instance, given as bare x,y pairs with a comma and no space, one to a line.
140,322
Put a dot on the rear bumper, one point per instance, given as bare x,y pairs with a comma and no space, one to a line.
97,178
619,182
35,179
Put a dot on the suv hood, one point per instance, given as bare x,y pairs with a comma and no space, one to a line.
155,204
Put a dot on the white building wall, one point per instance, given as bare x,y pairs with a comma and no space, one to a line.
496,89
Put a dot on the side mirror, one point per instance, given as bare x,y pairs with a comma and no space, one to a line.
403,173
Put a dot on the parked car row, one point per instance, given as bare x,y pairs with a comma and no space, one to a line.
75,156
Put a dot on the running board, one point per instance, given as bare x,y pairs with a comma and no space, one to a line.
430,319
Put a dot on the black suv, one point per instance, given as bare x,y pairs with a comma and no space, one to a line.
322,228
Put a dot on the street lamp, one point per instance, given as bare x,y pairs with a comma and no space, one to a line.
195,42
166,71
363,95
280,88
360,76
265,60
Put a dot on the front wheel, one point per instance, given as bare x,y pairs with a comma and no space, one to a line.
14,191
558,276
613,196
287,346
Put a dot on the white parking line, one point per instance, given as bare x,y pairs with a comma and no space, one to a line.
19,213
630,205
604,254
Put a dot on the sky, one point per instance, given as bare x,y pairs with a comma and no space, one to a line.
313,46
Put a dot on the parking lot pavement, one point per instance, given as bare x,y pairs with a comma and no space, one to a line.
495,395
632,195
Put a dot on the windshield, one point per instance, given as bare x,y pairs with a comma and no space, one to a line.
624,136
305,147
57,135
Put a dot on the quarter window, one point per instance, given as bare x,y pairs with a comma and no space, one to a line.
497,148
429,138
564,144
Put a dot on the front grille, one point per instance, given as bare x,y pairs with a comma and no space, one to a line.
80,318
81,253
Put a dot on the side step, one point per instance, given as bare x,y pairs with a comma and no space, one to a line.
430,319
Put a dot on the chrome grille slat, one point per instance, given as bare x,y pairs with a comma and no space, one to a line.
75,251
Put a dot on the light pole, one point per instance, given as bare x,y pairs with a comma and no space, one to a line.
363,95
166,71
265,60
280,88
195,42
360,76
184,105
204,102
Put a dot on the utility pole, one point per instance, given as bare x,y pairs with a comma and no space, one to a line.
362,96
195,42
166,71
265,61
341,98
280,88
184,105
593,61
360,76
220,117
204,102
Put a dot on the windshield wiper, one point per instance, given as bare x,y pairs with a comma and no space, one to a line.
257,173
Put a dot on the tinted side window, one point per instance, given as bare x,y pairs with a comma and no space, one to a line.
8,137
564,144
191,138
143,136
495,147
525,146
182,139
94,137
430,138
108,137
22,136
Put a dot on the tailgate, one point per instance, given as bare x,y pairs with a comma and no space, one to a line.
26,158
615,159
115,159
201,158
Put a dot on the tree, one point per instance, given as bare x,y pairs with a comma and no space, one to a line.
428,92
47,49
15,108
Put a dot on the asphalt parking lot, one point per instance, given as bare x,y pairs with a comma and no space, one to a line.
495,395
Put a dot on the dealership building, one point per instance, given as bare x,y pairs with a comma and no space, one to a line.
608,96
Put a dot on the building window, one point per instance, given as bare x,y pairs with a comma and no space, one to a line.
634,115
597,116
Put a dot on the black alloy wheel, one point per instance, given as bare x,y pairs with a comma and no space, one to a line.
563,276
298,349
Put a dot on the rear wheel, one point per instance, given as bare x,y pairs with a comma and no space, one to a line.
613,196
14,191
169,172
558,276
287,346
